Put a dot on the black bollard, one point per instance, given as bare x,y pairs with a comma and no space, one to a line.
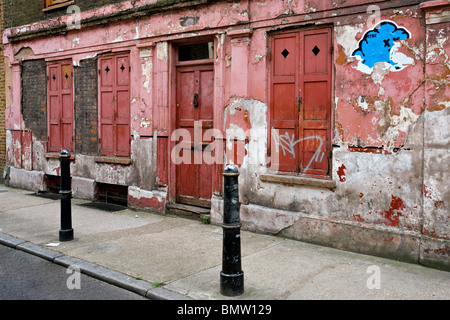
231,276
66,232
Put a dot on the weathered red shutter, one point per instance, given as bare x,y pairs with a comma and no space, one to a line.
114,112
315,111
123,106
67,131
284,112
60,106
54,115
106,110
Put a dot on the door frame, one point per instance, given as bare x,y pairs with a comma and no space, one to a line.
172,98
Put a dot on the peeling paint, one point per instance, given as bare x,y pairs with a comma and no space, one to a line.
162,50
341,173
147,67
393,214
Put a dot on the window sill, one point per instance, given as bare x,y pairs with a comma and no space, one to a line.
296,180
114,160
56,155
58,6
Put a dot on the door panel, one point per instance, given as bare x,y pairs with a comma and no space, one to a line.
316,53
194,113
285,55
315,101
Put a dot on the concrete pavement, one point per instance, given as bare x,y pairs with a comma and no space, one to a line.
170,257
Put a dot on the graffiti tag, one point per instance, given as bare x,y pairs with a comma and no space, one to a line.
287,144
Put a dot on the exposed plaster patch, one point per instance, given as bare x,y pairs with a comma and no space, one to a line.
162,50
145,53
23,52
227,61
389,127
362,103
137,33
147,67
146,122
345,36
255,111
258,57
76,61
75,42
189,21
380,70
401,59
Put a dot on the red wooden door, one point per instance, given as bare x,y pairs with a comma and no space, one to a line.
194,115
114,111
60,106
301,101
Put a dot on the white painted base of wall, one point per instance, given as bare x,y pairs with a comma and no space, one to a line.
387,242
25,179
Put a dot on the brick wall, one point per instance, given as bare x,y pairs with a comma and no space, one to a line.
34,97
34,103
21,12
2,100
86,107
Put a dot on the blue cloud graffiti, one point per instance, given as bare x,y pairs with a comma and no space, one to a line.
378,44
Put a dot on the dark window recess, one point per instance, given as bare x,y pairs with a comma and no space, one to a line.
198,51
112,194
53,183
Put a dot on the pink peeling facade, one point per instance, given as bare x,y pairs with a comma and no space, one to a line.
377,183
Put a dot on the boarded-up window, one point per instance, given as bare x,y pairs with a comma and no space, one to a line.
114,111
301,102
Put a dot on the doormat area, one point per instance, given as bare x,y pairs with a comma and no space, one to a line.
110,207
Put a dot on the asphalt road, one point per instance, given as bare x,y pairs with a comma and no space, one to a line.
26,277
